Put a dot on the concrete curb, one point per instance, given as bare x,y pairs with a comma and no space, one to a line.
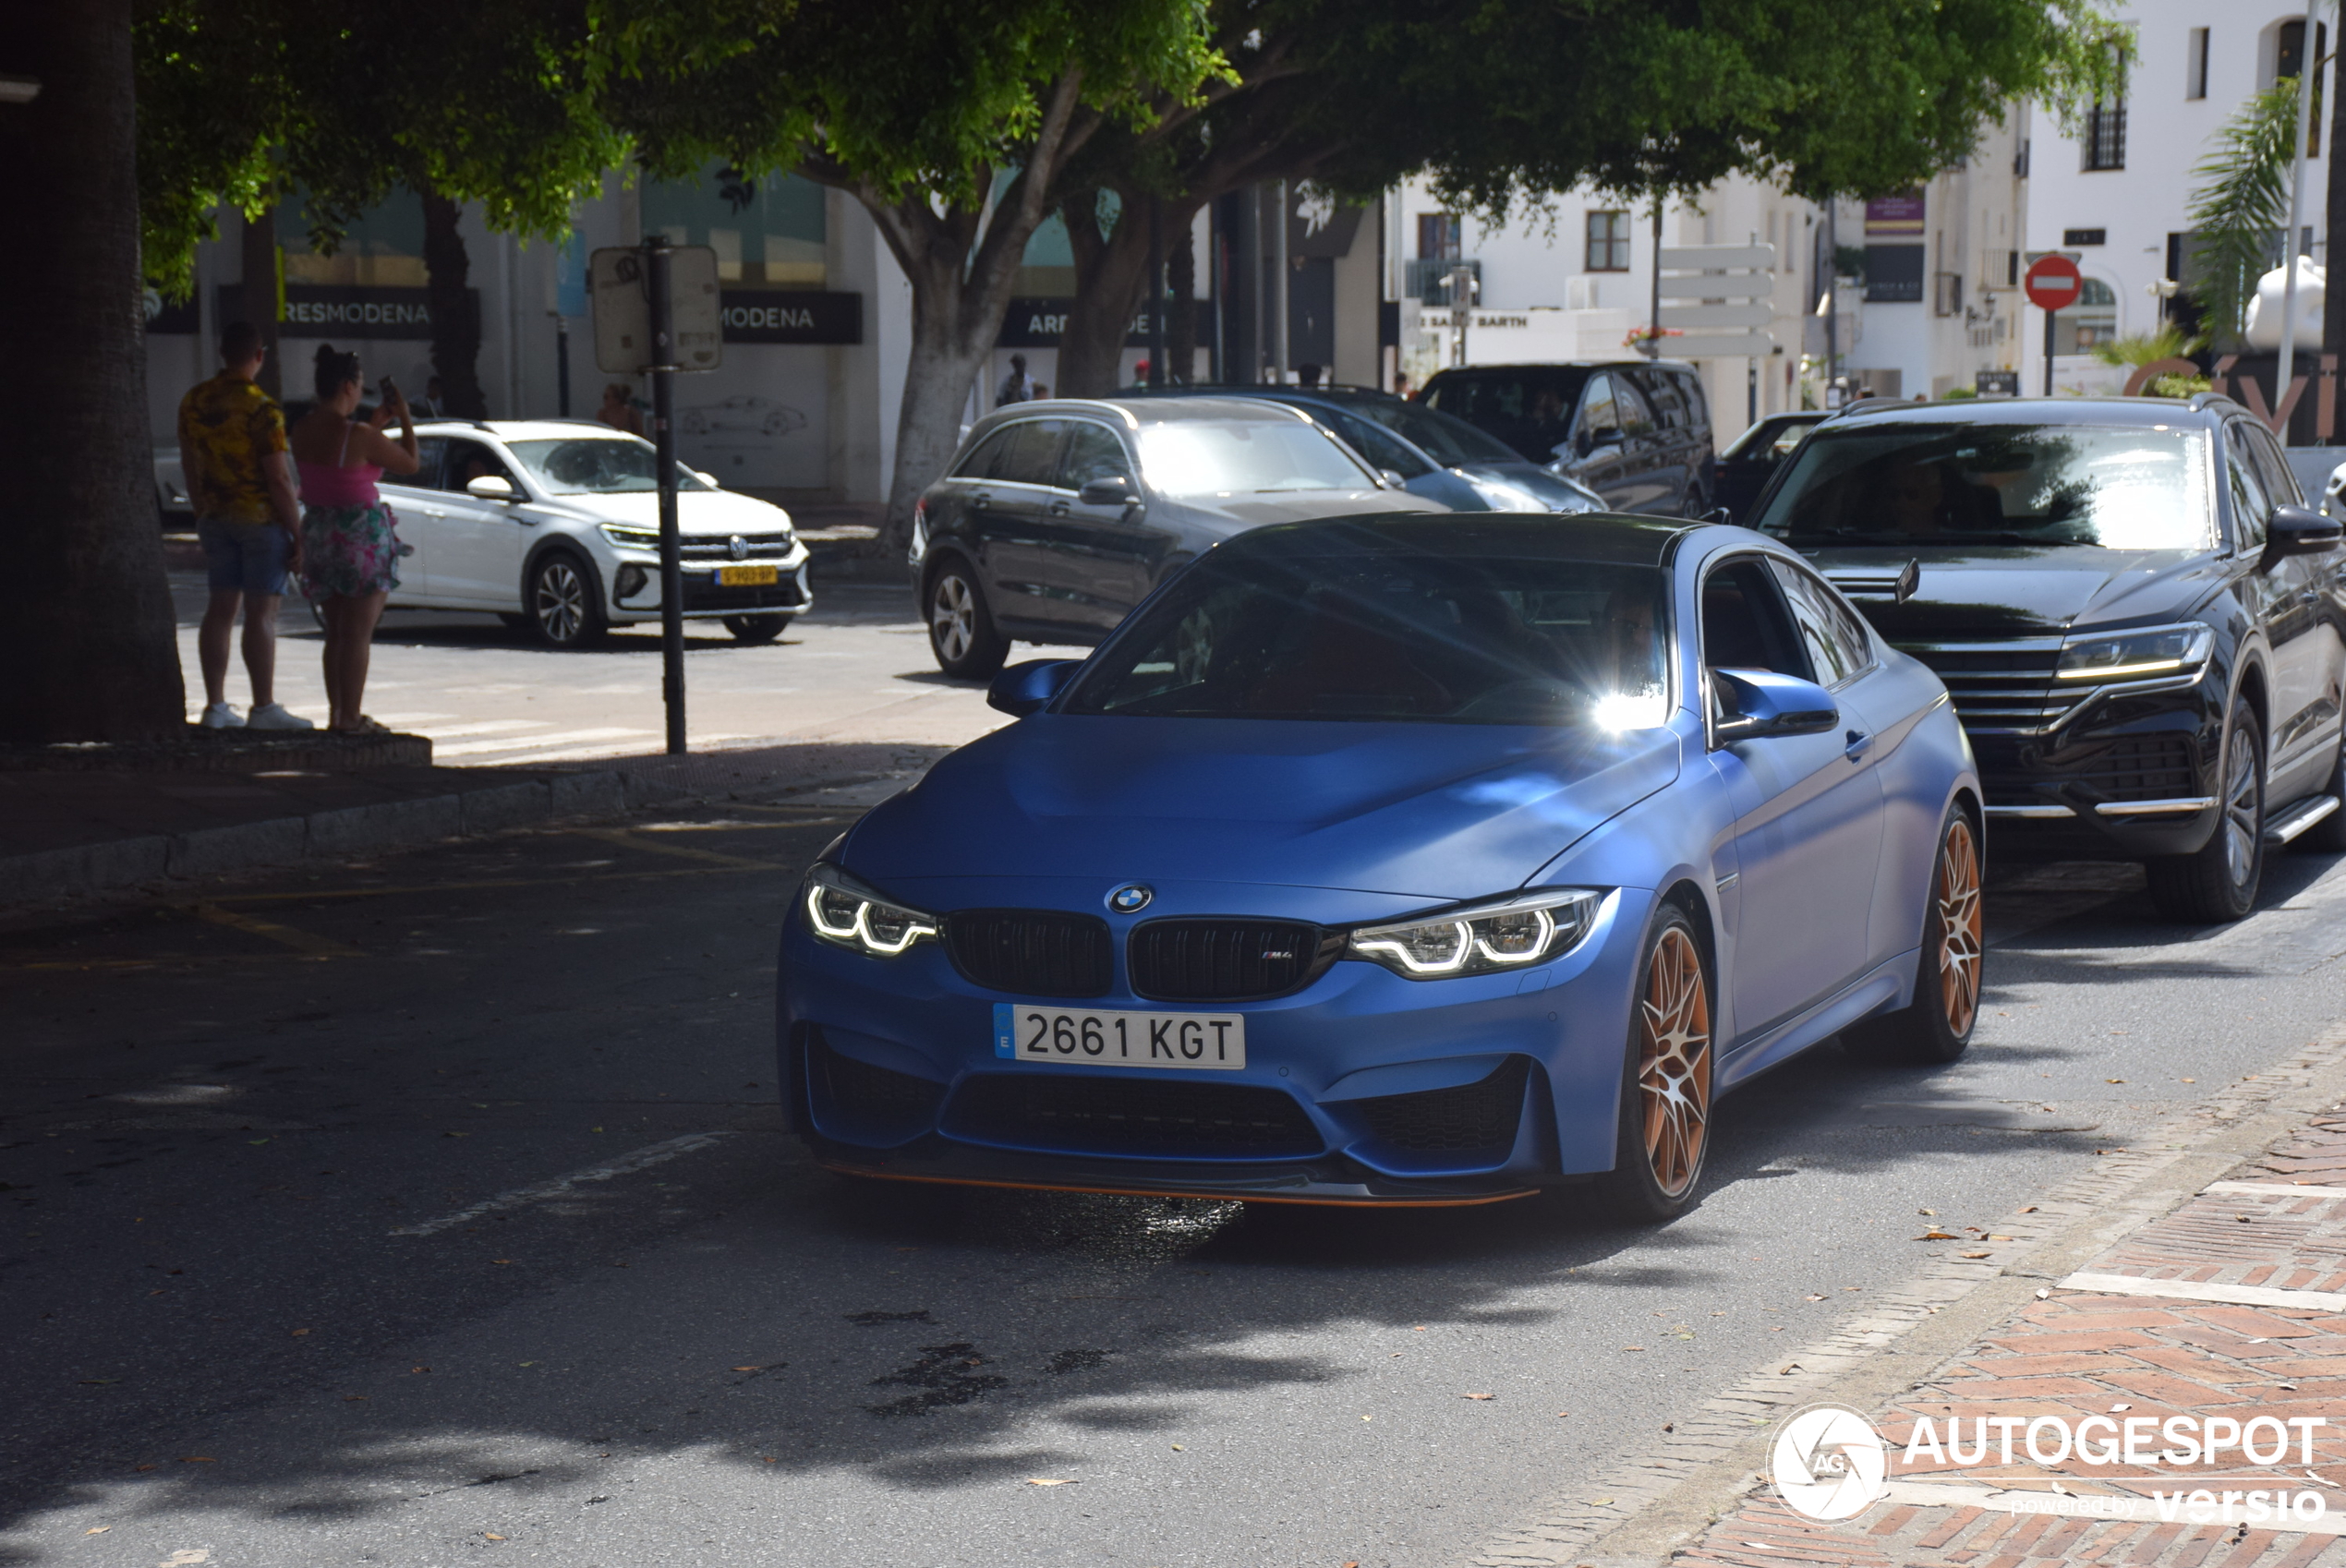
321,835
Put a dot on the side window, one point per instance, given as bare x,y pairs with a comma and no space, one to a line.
1836,640
1093,452
1599,413
1745,625
1698,404
984,458
1637,419
1664,391
468,461
2280,483
2251,503
1377,444
429,450
1032,457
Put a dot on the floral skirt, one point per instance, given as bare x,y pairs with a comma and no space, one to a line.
349,551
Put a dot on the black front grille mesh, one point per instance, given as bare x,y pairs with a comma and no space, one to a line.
1224,961
2141,768
1143,1116
1032,952
880,1094
1473,1116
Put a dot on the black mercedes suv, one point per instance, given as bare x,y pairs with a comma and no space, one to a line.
2141,625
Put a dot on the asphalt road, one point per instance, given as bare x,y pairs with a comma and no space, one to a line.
856,668
437,1208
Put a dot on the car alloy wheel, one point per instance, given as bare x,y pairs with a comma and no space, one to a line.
1674,1063
564,610
953,617
1955,890
2243,815
2218,882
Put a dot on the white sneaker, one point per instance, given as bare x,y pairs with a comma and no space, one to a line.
221,716
273,716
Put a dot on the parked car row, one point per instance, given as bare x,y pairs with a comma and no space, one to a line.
1443,859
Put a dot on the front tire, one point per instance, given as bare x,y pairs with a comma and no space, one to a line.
2219,884
1665,1130
962,635
756,628
564,602
1936,1027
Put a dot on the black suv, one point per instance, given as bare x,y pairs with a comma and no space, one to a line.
1635,431
2141,625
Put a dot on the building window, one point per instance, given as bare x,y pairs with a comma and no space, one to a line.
1608,242
2106,133
1440,237
2196,63
2289,58
768,230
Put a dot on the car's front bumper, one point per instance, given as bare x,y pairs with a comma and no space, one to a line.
634,590
2138,779
1361,1088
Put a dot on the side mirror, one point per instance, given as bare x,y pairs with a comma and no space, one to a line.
1391,479
1026,688
708,479
2300,530
1113,489
491,487
1757,704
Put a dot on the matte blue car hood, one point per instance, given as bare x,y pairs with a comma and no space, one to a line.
1432,812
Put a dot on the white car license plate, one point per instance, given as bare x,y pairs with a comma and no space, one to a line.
1119,1038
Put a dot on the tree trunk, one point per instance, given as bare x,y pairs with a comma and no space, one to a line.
89,645
258,292
455,324
1111,276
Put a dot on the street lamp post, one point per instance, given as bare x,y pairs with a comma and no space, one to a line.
2284,371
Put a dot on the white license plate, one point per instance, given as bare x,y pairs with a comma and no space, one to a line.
1119,1038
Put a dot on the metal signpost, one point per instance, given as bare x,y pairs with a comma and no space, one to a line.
2053,284
655,313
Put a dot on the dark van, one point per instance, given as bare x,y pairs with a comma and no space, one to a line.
1637,432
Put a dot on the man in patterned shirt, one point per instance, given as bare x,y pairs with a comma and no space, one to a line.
232,450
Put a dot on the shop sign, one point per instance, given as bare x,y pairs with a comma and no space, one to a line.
1040,323
345,310
814,315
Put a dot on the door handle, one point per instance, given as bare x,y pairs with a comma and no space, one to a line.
980,502
1859,744
1056,509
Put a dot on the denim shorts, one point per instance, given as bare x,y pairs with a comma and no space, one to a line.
245,557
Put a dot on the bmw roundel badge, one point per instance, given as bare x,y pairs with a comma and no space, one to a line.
1131,898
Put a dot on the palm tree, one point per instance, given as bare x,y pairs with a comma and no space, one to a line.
2239,202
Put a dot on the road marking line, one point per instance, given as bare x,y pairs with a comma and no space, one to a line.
2190,1290
471,748
2276,1186
2085,1505
489,727
321,894
627,840
303,942
539,1191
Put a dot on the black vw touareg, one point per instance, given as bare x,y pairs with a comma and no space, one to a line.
2141,625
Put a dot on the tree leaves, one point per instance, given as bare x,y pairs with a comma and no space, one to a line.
2239,204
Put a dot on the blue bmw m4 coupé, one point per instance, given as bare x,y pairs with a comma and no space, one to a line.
1398,860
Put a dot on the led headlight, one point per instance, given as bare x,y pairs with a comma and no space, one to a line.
627,537
2129,656
845,911
1479,938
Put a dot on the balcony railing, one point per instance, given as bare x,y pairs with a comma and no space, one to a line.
1428,281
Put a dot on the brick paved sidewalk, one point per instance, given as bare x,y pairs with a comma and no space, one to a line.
2093,1343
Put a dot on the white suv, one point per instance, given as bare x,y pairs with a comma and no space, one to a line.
553,524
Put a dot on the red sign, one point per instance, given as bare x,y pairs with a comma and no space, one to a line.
2053,282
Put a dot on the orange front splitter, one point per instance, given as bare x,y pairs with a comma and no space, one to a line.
1176,1192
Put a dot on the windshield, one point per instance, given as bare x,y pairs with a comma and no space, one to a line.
1221,457
1453,443
1413,638
1529,410
583,466
2119,486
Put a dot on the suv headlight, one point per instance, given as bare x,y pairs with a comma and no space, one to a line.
627,537
2125,656
1479,938
847,912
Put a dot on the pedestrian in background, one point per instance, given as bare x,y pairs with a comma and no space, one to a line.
434,403
349,547
1307,376
619,410
1017,387
232,452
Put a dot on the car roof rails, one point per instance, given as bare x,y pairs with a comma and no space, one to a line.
2202,402
1865,404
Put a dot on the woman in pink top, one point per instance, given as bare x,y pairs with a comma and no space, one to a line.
350,555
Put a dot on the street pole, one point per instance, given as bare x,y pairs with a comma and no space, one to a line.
2284,372
561,362
1279,300
1833,295
671,570
1653,305
2049,352
1157,293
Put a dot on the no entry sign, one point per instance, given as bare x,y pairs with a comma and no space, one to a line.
2053,282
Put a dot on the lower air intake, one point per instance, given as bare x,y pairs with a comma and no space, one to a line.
1134,1117
1473,1116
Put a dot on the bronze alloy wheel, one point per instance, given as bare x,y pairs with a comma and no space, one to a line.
1958,892
1674,1062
